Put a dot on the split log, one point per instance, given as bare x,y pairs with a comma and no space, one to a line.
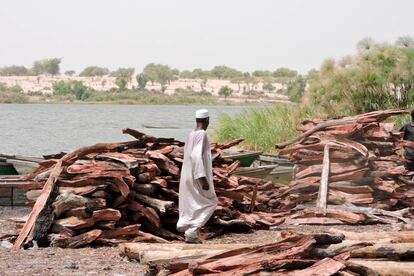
106,214
105,225
76,241
160,205
380,267
151,217
146,189
146,253
80,212
39,205
323,189
62,230
69,201
393,251
75,222
396,237
131,230
255,258
150,238
336,249
326,267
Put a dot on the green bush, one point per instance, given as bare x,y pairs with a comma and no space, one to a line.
75,88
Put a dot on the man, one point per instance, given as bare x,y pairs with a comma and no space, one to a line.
408,134
197,198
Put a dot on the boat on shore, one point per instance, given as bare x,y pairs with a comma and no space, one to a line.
246,158
159,127
257,172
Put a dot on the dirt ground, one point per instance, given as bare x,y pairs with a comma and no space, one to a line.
106,260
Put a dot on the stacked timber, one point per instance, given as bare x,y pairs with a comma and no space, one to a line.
294,253
348,172
112,193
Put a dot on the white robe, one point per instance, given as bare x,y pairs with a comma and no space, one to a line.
195,204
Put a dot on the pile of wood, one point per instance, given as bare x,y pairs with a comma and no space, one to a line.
349,171
295,253
113,193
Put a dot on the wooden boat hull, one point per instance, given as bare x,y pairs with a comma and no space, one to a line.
246,158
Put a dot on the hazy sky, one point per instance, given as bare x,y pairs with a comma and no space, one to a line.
186,34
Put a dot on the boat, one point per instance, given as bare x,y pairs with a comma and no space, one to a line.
160,127
257,172
20,164
246,158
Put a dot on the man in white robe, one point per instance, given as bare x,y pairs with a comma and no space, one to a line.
197,198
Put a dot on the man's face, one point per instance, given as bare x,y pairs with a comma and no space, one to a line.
207,122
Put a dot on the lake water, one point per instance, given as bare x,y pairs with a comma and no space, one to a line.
36,129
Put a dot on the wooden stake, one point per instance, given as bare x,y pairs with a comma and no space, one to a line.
323,188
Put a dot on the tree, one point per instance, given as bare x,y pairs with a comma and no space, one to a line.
405,42
261,73
142,81
49,66
296,89
159,73
268,87
70,73
14,70
123,77
224,72
125,73
121,82
365,45
284,73
225,91
92,71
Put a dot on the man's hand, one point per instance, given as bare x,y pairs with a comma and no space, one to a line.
204,183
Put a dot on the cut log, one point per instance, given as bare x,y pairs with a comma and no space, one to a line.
80,212
323,189
253,201
153,219
106,214
380,267
148,237
76,241
165,253
146,189
39,205
336,249
325,267
61,230
106,225
127,231
393,251
396,237
75,222
69,201
160,205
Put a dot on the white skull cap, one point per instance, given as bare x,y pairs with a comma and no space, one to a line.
201,114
